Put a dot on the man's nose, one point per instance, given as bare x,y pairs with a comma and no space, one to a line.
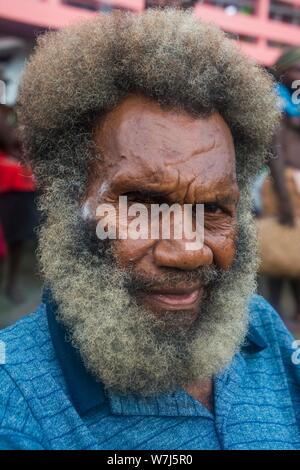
173,254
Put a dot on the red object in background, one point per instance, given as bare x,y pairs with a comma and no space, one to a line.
14,176
3,248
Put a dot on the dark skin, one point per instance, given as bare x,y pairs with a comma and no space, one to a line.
156,155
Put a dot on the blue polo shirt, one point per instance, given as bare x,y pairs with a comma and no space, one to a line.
49,401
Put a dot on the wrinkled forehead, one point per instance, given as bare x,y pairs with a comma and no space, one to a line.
139,139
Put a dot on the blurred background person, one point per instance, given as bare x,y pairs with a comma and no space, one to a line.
280,224
18,213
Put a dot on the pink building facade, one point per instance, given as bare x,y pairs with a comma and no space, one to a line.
263,27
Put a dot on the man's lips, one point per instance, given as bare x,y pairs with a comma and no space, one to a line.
177,299
174,299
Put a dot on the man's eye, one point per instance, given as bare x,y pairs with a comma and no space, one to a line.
212,208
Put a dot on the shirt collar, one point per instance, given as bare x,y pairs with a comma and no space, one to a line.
86,393
254,342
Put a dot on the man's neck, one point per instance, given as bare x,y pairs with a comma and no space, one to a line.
202,390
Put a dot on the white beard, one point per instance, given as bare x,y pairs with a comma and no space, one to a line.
120,342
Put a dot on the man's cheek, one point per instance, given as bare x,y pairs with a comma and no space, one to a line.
129,252
223,246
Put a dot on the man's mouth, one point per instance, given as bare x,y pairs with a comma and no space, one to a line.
173,299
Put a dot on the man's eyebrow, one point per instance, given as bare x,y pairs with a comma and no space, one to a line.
146,194
229,198
163,197
226,198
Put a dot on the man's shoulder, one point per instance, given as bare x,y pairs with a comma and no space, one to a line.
280,343
265,319
26,348
26,353
25,338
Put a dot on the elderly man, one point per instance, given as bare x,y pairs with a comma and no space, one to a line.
141,343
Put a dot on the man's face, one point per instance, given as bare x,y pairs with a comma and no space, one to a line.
156,156
148,315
